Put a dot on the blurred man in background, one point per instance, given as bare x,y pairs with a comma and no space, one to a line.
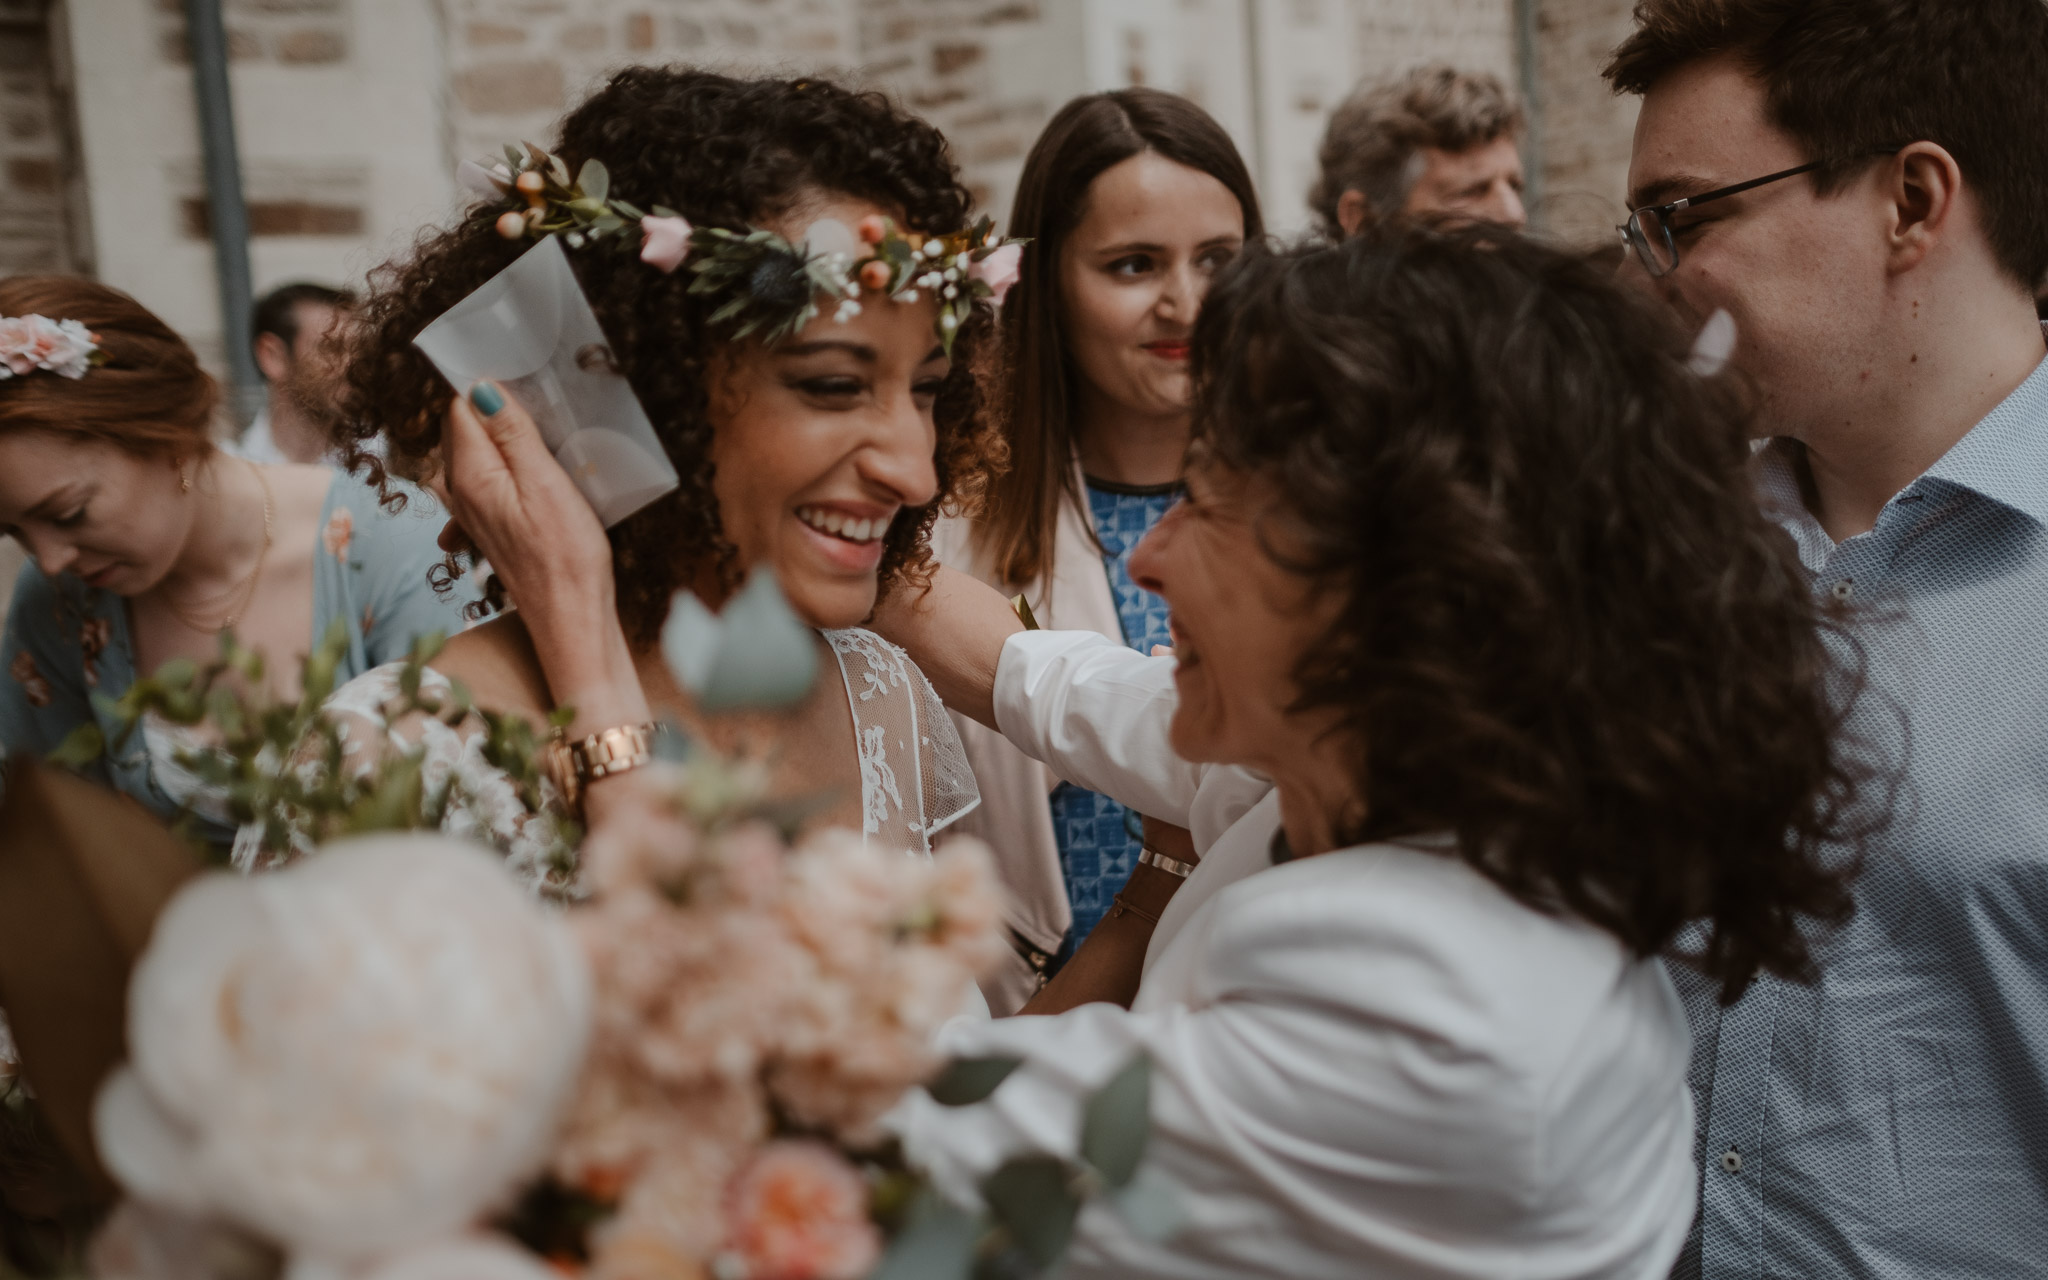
291,330
1435,143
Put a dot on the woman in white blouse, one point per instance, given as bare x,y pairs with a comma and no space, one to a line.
1490,679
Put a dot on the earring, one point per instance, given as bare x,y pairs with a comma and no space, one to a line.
184,476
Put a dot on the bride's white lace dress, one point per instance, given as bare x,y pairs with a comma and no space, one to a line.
914,777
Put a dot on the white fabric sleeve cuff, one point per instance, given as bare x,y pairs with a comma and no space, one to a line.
1098,714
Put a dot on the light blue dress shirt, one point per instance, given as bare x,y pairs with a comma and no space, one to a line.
1892,1120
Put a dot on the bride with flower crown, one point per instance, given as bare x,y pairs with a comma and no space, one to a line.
814,388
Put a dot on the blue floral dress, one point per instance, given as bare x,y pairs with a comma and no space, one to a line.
1098,838
67,653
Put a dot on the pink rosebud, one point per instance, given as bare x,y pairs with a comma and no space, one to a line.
512,225
999,270
665,243
874,228
799,1211
875,275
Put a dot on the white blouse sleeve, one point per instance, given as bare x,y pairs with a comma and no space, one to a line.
1100,715
1357,1073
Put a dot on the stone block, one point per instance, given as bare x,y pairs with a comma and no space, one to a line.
35,175
279,218
639,32
583,37
513,87
949,58
312,45
493,35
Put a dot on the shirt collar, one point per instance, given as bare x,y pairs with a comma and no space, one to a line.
2005,456
1777,487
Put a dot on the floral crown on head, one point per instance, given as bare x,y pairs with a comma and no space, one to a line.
771,286
63,347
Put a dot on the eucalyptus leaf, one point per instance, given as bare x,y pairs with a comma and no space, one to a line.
80,747
394,803
594,179
966,1081
937,1243
1117,1121
1152,1204
1032,1198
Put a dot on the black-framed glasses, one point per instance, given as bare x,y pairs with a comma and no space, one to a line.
1648,231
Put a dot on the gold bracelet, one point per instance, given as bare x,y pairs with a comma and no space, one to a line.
573,765
1118,907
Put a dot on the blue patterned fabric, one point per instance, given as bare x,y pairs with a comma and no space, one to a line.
1892,1119
1097,846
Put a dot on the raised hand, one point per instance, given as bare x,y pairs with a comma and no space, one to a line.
520,510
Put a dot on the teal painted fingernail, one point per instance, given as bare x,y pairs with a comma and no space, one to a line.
487,398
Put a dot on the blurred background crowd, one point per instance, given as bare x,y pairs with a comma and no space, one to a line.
349,116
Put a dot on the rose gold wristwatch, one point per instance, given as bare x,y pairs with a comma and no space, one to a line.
573,764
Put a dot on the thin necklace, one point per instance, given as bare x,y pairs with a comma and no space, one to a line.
247,587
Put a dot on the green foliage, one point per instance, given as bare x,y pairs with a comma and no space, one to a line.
1034,1201
966,1081
1117,1122
284,765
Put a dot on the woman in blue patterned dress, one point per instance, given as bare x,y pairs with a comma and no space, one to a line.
1132,201
147,542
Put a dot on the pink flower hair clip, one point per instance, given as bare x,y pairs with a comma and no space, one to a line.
63,347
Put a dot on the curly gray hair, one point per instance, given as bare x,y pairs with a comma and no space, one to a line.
1375,137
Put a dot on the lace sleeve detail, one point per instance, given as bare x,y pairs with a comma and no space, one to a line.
914,776
476,799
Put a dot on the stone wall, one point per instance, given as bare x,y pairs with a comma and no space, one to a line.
1585,130
38,161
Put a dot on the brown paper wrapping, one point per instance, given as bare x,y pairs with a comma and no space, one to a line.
83,873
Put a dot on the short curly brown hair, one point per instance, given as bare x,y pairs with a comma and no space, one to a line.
723,152
1567,632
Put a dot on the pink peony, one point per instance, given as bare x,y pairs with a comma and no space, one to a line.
999,270
799,1211
666,242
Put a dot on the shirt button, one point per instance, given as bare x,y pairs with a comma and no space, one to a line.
1731,1160
1844,589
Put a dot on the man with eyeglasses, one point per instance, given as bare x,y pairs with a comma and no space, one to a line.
1863,186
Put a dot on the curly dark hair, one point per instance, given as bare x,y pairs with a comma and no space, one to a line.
1567,633
723,152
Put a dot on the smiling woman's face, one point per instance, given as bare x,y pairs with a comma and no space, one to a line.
1133,273
822,441
112,518
1241,622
